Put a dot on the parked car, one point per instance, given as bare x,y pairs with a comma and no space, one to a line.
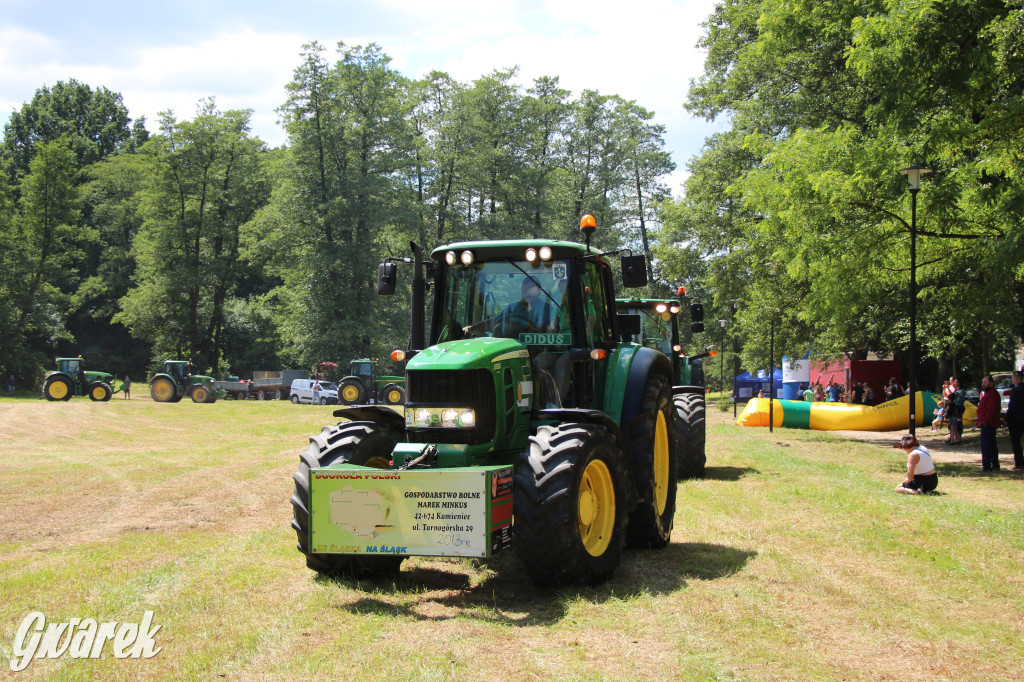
1003,382
314,391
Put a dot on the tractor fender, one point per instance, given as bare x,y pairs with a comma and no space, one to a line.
573,414
646,361
685,390
374,413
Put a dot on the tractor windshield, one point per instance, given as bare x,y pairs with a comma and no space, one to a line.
656,330
511,299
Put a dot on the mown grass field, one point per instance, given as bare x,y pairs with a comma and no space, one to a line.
793,559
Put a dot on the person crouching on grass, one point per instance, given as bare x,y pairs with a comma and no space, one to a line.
921,476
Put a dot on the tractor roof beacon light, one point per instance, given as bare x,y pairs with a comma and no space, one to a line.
587,227
681,291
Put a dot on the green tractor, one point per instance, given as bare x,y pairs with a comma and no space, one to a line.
657,327
70,378
527,425
177,380
364,385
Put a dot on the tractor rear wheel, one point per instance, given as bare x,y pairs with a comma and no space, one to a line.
200,394
100,391
652,438
690,436
366,443
394,394
352,392
58,388
162,390
569,503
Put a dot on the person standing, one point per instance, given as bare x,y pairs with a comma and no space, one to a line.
857,393
955,412
988,422
892,391
10,386
808,393
869,394
127,388
1015,419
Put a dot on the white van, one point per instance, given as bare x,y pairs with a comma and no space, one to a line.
314,391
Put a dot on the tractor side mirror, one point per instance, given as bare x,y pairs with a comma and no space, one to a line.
696,327
387,278
630,326
634,271
696,312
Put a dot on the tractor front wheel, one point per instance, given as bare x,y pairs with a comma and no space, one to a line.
100,391
690,436
58,388
200,394
352,392
366,443
569,503
653,442
162,391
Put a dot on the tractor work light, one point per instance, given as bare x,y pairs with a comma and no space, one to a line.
466,257
677,348
531,255
674,309
545,253
440,417
661,307
450,258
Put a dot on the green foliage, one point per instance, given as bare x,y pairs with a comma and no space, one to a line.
828,100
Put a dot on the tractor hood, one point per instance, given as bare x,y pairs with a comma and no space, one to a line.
469,354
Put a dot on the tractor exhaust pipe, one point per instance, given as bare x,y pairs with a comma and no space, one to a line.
419,288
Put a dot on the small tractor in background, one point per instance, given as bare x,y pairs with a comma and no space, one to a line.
658,328
71,378
528,424
177,379
364,385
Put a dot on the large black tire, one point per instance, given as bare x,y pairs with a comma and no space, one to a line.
569,502
652,439
351,392
162,390
200,395
295,399
689,418
366,443
58,388
100,391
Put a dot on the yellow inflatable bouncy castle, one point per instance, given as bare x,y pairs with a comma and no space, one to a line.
892,415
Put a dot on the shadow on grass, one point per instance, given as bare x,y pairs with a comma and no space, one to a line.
497,590
973,470
727,473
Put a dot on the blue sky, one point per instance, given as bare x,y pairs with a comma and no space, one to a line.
168,55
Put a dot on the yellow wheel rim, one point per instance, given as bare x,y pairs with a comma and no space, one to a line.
350,393
661,463
394,397
200,395
595,508
57,390
98,393
163,391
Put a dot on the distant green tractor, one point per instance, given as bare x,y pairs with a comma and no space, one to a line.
177,380
658,328
363,385
70,378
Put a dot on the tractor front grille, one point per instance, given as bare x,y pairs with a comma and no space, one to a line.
461,388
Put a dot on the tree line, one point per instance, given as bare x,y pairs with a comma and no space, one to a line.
799,209
199,241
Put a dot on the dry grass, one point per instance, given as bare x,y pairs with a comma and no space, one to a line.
793,559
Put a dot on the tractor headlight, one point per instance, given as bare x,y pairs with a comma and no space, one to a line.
545,253
450,258
661,307
440,417
531,255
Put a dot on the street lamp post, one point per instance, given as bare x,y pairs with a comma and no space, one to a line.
913,174
722,371
771,378
735,370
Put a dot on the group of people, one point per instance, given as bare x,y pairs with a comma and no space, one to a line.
860,393
921,473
